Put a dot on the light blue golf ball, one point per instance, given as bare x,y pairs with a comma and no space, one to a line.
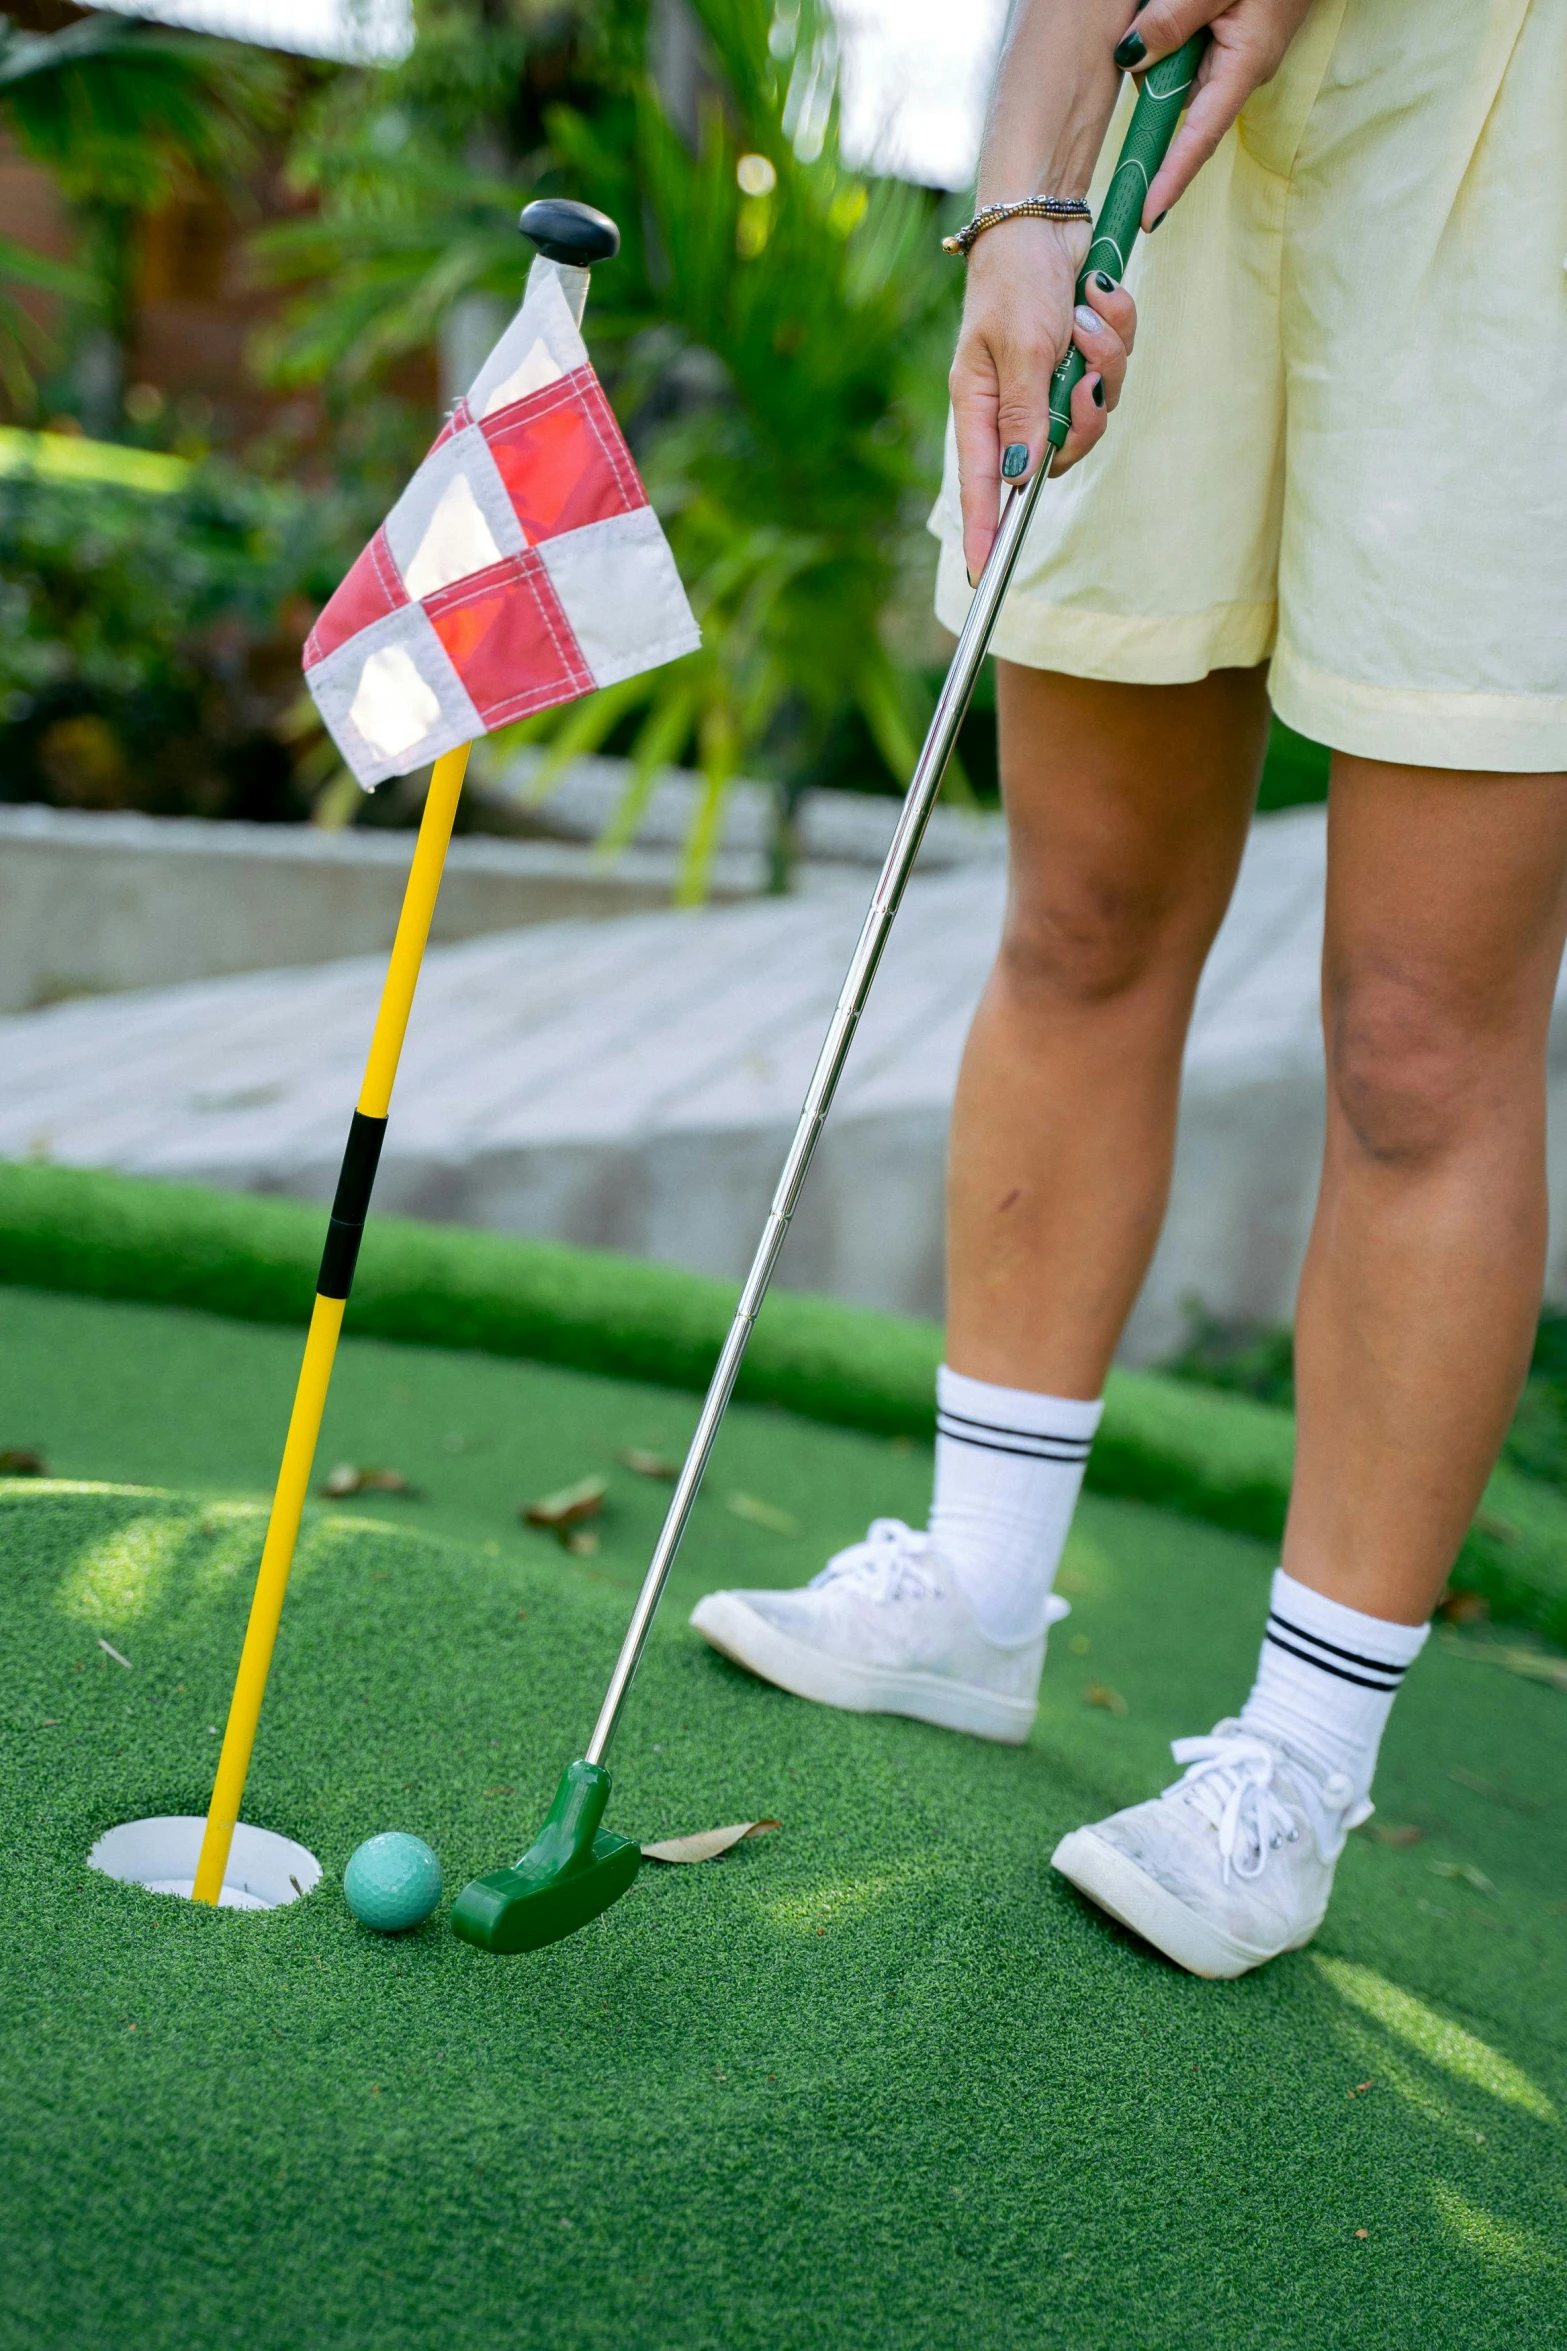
392,1882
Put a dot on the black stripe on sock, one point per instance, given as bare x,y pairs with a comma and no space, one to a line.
1024,1441
1339,1672
1018,1452
351,1206
1350,1656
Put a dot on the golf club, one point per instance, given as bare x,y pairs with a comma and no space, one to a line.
576,1868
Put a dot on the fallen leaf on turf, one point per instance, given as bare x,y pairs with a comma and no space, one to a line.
110,1650
649,1465
581,1542
1533,1664
349,1478
763,1514
707,1844
1383,1832
1463,1608
22,1461
1489,1788
559,1512
1101,1694
1465,1870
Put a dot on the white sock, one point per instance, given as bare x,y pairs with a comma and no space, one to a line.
1008,1468
1327,1678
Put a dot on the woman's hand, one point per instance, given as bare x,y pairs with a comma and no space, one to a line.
1019,320
1247,47
1052,100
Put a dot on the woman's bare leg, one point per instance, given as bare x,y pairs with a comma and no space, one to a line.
1447,906
1127,808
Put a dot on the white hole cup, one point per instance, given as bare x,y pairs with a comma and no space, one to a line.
264,1870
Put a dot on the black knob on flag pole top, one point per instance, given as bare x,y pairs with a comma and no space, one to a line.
570,233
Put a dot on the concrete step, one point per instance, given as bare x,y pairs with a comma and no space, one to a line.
94,901
633,1084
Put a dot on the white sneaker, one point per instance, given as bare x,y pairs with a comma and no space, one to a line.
884,1630
1228,1867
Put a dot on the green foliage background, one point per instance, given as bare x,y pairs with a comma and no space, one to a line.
777,355
774,335
149,646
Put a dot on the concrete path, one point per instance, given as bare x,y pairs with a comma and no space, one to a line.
632,1084
93,901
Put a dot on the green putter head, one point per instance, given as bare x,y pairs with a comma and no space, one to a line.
571,1871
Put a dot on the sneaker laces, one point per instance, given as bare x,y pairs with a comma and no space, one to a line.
894,1562
1229,1780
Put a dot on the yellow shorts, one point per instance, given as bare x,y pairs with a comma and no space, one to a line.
1343,442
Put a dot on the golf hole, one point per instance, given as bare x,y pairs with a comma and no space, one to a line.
264,1870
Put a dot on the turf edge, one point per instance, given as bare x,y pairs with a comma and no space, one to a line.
1219,1458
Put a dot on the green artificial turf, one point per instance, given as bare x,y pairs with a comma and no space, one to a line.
1225,1459
877,2079
157,1395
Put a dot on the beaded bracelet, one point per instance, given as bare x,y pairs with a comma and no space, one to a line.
1030,208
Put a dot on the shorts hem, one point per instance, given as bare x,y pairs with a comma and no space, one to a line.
1144,649
1473,733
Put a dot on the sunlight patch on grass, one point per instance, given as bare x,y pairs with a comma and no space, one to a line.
115,1578
231,1534
1373,2056
837,1901
1501,2242
1459,2053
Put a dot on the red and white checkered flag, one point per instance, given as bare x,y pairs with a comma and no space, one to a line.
521,567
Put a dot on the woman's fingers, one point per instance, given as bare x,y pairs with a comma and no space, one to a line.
1160,26
1114,305
1016,321
1230,70
1095,333
974,387
1090,415
1223,87
1000,386
1247,45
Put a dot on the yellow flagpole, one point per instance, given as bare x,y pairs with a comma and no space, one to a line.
326,1320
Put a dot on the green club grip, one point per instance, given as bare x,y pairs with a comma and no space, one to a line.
1148,135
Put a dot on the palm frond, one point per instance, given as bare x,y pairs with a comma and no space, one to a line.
120,111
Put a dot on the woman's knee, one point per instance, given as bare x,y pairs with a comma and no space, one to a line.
1413,1068
1089,939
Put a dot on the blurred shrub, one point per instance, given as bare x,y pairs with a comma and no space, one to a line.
1258,1360
774,335
1295,772
1243,1358
149,645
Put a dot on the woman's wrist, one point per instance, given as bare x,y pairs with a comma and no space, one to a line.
994,216
1040,247
1055,91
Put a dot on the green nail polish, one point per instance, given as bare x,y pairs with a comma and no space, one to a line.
1159,223
1105,285
1099,393
1015,461
1130,52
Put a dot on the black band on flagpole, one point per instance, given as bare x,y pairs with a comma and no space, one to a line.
351,1206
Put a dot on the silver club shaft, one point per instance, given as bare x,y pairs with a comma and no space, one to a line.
918,803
